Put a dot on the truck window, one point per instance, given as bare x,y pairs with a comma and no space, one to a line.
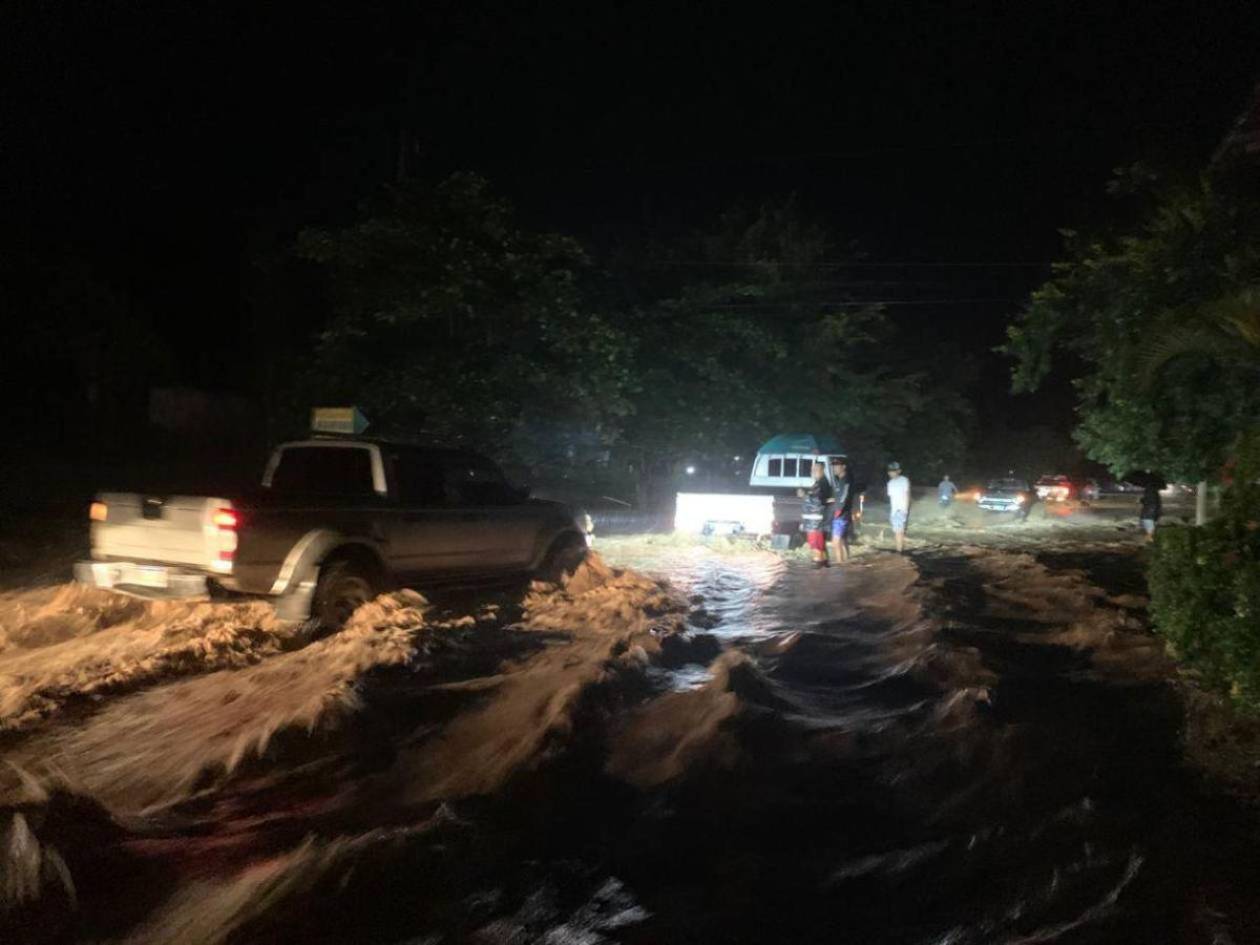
789,466
473,480
419,478
324,470
776,467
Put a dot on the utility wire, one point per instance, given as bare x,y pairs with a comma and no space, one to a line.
850,302
744,263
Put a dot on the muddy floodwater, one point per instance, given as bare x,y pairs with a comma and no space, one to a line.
966,744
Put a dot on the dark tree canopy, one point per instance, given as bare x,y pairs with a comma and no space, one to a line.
452,320
1119,298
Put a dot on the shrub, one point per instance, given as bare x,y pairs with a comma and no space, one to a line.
1205,596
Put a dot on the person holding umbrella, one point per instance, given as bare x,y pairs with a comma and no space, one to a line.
1151,506
1150,510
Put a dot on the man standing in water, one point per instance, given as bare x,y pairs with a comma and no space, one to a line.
843,520
898,503
817,511
945,491
1151,509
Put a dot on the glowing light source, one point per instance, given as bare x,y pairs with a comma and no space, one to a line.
691,470
98,512
225,519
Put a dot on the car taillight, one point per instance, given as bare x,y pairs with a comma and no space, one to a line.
98,512
225,522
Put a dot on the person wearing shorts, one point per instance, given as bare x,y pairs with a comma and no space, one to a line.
898,504
1151,510
842,522
819,501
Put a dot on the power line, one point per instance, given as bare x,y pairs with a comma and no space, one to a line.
744,263
849,303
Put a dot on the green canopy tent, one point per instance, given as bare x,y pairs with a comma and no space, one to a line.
802,443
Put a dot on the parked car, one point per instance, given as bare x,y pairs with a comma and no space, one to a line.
336,521
1119,486
1006,495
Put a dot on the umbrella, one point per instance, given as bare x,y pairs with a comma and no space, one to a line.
1145,477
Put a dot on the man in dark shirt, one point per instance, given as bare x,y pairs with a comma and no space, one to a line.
842,522
817,513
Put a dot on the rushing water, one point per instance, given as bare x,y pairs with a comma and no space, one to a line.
905,750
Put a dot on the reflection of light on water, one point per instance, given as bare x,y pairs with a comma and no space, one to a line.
731,588
682,679
731,583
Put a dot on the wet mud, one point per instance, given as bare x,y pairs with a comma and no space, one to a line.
966,744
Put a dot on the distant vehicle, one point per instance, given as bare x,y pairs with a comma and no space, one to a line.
1064,488
336,521
782,466
1112,486
1055,488
1005,495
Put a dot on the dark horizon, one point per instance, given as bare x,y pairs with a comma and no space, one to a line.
163,149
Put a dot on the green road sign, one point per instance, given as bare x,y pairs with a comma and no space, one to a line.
344,420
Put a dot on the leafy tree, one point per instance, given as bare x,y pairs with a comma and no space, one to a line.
452,320
1226,330
1126,306
753,342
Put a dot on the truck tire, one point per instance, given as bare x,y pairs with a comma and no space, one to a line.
343,587
564,557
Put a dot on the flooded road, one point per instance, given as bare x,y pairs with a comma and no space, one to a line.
962,745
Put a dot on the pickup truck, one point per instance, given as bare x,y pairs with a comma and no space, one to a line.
335,522
1005,495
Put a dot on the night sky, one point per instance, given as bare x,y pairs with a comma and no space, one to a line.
162,143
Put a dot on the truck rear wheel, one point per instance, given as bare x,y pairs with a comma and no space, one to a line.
342,589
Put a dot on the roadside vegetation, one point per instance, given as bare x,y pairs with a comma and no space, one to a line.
1158,321
1205,595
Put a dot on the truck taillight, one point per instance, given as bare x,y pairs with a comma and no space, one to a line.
224,523
98,511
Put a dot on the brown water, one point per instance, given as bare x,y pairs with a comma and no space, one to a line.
968,745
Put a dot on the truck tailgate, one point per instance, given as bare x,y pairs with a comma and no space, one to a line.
174,530
700,513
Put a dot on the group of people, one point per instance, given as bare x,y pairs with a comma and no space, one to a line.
833,507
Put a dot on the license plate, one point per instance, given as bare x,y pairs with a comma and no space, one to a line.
148,577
